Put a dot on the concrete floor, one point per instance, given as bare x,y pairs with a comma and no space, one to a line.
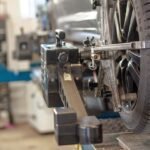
23,137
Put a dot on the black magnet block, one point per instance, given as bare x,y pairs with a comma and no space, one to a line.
50,53
67,134
67,139
67,129
64,116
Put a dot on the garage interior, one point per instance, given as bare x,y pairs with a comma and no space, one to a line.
74,75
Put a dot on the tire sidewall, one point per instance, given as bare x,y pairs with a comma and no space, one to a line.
135,120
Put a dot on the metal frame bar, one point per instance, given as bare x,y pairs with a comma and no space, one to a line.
70,94
136,45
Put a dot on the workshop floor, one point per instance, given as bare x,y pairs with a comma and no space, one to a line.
23,137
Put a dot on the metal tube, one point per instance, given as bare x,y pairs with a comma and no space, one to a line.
123,46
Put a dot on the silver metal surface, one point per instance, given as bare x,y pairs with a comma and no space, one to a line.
71,94
123,46
74,17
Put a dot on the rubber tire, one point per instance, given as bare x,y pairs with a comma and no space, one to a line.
138,120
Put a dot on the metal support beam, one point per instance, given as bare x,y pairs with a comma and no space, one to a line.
123,46
71,93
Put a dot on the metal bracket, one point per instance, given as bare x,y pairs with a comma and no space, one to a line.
135,45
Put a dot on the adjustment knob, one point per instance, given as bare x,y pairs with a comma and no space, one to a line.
60,37
63,58
60,34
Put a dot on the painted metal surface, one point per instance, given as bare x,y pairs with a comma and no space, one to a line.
10,76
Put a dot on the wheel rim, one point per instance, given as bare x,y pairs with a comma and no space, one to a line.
127,62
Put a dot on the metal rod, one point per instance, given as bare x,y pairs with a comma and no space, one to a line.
123,46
